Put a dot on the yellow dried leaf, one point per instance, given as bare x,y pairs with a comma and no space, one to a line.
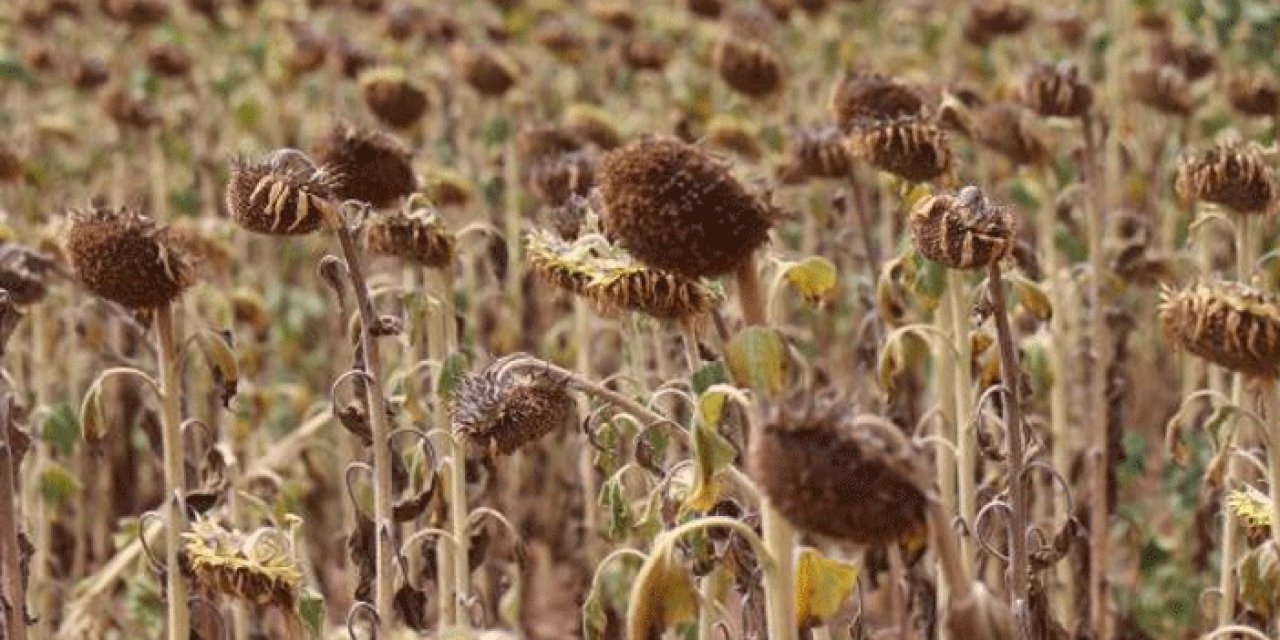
757,358
813,277
822,585
661,596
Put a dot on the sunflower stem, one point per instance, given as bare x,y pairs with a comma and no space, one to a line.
966,439
1011,378
13,598
750,295
384,582
175,491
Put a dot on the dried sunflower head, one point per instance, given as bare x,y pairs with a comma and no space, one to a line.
369,166
1161,87
123,256
1233,175
644,53
962,231
1193,59
12,167
542,142
497,414
559,37
1229,324
675,208
709,9
1057,91
1252,509
910,148
258,568
816,153
391,97
447,188
1253,94
129,111
418,235
1008,129
168,59
613,281
750,67
554,180
989,19
735,136
832,472
593,124
486,70
284,194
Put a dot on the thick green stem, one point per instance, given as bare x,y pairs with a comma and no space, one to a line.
384,583
175,491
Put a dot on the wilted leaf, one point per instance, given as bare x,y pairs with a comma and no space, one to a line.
455,366
711,373
93,424
57,484
661,596
814,277
822,585
617,511
901,352
222,362
757,358
712,452
1032,297
1260,579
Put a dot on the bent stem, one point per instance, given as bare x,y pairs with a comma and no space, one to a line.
384,582
175,493
1010,375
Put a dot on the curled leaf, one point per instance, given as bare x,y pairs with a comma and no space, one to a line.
661,596
822,585
1032,297
813,277
757,359
222,362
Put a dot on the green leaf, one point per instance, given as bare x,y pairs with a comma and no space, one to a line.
813,277
617,511
311,611
61,429
1032,297
57,484
757,359
711,373
822,585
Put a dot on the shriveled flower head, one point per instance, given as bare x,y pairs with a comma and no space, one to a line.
613,281
962,231
447,188
910,148
834,473
24,273
369,166
750,67
556,179
486,70
1057,91
1233,175
593,124
990,19
559,37
617,14
129,111
283,194
816,153
257,568
168,59
1229,324
122,256
391,97
709,9
11,165
675,208
1253,94
1010,130
136,13
1161,87
734,135
89,73
1193,59
544,142
417,235
644,53
497,414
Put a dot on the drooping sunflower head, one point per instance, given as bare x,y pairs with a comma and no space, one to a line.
125,257
1229,324
497,414
964,230
369,166
1233,175
283,194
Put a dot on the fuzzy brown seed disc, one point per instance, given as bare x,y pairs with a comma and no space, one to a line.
497,416
828,472
910,148
274,198
962,231
1008,129
370,166
418,237
487,71
675,208
748,66
122,256
1227,323
1233,175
